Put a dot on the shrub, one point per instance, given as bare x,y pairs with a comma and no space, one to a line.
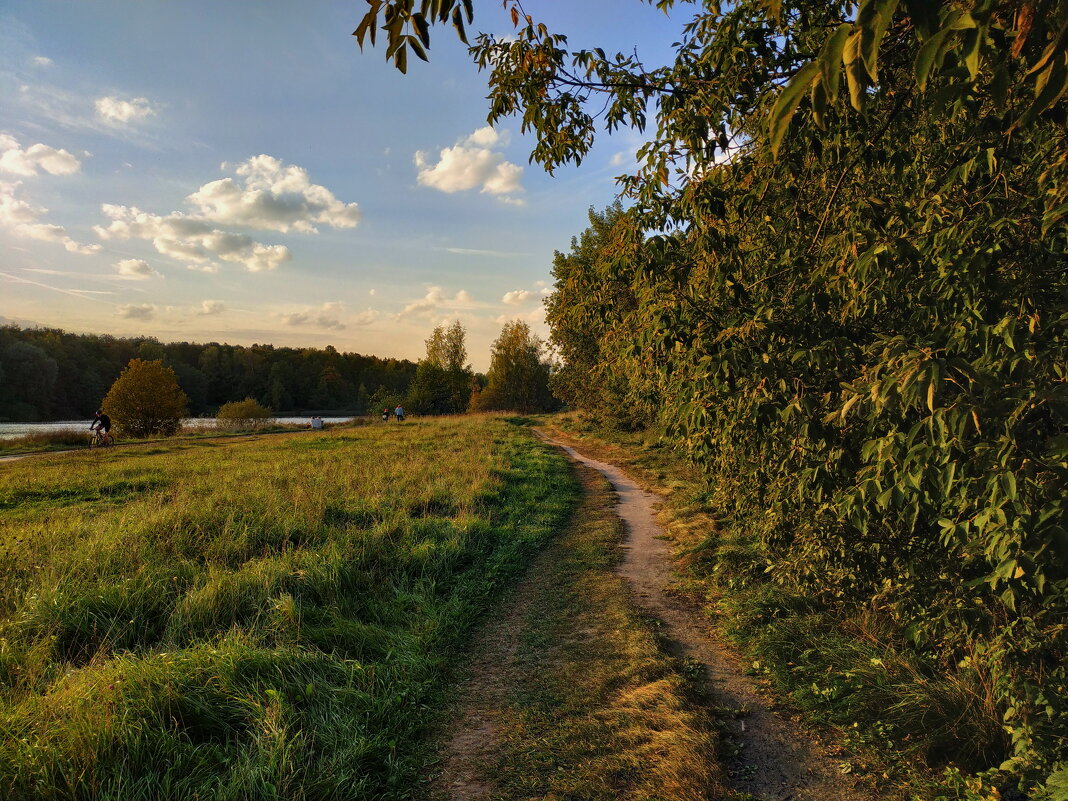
246,415
145,400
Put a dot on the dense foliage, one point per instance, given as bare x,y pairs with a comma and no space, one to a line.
842,290
48,374
243,415
146,401
518,377
443,380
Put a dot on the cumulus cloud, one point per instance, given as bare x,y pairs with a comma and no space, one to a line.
135,268
136,311
273,196
14,159
203,268
116,111
212,307
190,239
24,219
516,297
326,316
434,299
42,61
472,163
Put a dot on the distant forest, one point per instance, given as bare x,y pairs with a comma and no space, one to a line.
48,374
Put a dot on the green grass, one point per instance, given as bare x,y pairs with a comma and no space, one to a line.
254,618
590,707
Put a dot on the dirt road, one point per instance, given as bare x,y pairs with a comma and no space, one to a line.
778,757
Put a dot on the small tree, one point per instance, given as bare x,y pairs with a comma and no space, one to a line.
442,381
246,415
518,378
145,400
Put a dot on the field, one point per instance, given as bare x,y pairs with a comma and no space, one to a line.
258,617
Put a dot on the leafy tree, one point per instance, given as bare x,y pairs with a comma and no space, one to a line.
145,400
442,381
584,314
246,415
518,377
846,254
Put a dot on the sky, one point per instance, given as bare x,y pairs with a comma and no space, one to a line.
240,172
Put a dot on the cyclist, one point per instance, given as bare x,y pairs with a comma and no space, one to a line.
101,425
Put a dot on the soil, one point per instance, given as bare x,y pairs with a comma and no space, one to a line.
777,757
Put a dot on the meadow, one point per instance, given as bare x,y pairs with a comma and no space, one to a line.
258,617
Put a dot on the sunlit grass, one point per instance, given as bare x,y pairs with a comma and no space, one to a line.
253,618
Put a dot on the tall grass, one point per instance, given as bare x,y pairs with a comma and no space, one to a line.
253,619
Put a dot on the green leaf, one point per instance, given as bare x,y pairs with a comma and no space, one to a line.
929,55
856,74
831,59
788,101
1049,88
872,20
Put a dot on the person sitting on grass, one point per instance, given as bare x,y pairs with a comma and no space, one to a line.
101,425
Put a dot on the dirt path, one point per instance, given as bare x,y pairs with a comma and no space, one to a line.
778,758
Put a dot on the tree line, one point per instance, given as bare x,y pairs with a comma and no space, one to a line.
839,286
49,374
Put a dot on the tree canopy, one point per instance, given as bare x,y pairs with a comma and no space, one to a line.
518,377
146,401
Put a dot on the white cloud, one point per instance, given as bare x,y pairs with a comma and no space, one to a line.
14,159
473,164
372,292
136,311
326,316
135,268
24,219
42,61
120,112
516,297
203,268
212,307
190,239
477,252
274,197
434,299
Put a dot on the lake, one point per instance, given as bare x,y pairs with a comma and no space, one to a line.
12,430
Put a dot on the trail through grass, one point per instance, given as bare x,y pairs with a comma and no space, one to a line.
572,696
254,618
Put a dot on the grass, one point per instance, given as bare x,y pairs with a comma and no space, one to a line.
50,441
254,618
917,725
590,707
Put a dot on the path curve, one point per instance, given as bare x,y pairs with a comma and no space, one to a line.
779,758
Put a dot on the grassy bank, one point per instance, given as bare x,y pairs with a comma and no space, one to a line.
582,701
920,729
50,441
264,617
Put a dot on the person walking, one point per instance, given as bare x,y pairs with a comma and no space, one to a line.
399,413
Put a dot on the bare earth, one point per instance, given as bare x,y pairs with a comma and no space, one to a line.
778,758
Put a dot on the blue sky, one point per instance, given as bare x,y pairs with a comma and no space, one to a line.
241,172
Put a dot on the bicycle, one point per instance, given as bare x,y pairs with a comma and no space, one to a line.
101,439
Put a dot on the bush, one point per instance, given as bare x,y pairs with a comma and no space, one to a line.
145,400
246,415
